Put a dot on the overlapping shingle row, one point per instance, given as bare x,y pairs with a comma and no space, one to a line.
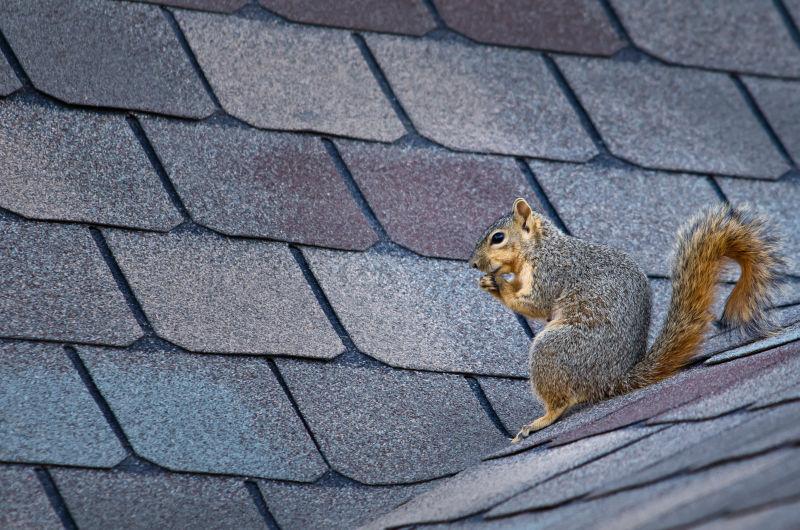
223,238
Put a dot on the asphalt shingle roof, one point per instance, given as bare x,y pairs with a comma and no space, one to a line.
233,243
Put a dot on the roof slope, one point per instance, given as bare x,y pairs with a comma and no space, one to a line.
233,237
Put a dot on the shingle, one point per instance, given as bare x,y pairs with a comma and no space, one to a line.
100,175
513,401
56,286
675,391
780,102
384,426
435,202
25,504
393,16
99,499
109,54
481,487
211,294
205,413
634,210
223,6
578,482
48,414
386,301
778,201
8,80
295,78
794,9
785,336
482,98
577,26
254,183
673,118
737,35
330,506
780,517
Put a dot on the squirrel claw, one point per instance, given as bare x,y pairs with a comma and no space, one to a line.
488,282
521,435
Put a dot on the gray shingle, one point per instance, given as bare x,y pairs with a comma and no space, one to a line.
420,195
48,414
578,26
284,77
780,517
223,6
794,9
384,426
673,118
513,401
205,413
25,504
778,200
211,294
385,300
393,16
482,98
780,103
486,485
8,80
101,175
738,35
56,286
785,336
254,183
626,461
634,210
329,506
98,499
110,54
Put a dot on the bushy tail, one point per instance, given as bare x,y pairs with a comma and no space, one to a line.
702,248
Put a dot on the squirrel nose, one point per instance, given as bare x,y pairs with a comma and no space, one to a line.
473,264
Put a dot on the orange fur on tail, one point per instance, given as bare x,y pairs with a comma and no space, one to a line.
703,246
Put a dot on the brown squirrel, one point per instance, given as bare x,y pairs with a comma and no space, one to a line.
597,300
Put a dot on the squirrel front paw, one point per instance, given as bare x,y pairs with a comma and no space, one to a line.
488,283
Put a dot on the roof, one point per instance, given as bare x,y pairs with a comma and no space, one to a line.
233,237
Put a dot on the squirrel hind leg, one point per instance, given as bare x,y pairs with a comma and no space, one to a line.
552,413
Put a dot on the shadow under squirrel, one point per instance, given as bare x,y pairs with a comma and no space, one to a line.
598,300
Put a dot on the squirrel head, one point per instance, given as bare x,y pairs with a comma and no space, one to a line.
500,249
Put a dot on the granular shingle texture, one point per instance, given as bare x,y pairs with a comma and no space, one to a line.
211,294
421,196
393,16
513,400
223,6
101,499
481,487
78,166
737,35
25,504
331,506
56,286
385,300
8,80
778,200
482,99
780,102
260,184
634,210
205,413
673,118
381,426
577,26
108,54
48,414
281,77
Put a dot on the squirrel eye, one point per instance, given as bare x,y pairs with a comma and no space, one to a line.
498,238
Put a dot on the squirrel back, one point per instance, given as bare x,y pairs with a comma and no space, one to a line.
703,246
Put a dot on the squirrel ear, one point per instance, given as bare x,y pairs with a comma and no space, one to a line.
521,210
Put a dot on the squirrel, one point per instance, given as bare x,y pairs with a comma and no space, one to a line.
597,300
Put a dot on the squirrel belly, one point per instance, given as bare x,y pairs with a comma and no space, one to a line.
598,304
721,233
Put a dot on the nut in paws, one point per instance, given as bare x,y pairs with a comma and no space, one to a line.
488,283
